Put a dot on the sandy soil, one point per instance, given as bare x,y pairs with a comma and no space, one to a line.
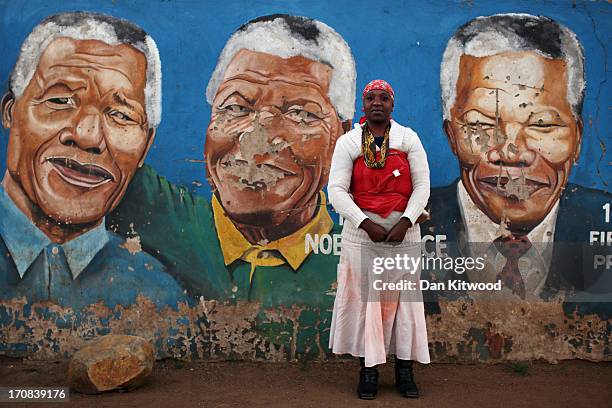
236,384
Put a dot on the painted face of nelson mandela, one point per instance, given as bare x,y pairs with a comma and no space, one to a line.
273,128
514,122
80,127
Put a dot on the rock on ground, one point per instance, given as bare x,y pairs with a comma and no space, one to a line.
112,362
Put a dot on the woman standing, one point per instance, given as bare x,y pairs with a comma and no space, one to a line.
379,182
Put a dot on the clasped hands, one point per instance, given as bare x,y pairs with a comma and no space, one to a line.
378,233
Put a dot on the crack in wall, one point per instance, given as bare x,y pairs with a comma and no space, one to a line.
598,94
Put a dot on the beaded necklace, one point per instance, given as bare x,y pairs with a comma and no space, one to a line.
368,148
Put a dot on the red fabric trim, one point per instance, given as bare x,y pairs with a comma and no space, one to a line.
380,190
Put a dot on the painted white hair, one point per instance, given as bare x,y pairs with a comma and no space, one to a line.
490,35
90,26
289,36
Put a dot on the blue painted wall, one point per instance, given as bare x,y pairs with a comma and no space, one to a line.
396,40
400,41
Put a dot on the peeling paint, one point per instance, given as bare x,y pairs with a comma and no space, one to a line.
515,332
251,162
132,244
463,331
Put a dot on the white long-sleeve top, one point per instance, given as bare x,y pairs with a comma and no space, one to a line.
348,148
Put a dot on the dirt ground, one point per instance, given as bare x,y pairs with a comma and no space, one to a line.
176,384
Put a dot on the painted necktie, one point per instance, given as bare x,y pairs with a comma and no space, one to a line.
512,249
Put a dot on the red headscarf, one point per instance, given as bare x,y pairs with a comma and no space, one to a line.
377,84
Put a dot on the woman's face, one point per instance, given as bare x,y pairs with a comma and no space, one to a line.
378,105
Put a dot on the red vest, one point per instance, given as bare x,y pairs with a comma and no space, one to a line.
385,190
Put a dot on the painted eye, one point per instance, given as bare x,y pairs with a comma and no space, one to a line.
301,115
546,121
475,121
474,126
120,117
542,125
63,102
236,110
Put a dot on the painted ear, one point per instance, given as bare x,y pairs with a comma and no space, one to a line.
150,137
346,125
579,128
7,104
450,135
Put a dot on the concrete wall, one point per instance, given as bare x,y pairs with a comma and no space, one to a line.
223,245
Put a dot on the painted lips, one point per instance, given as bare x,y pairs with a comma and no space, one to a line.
500,184
228,164
79,174
254,176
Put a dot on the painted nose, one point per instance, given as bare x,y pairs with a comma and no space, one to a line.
268,135
88,134
273,125
514,150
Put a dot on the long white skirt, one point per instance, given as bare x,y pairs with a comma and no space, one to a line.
370,323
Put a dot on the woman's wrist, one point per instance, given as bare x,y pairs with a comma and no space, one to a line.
406,221
364,223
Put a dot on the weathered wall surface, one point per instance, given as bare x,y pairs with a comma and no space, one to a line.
460,333
182,197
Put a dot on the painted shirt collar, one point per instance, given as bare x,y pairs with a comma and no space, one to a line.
25,241
292,247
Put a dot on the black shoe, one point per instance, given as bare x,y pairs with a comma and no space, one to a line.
404,379
368,383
